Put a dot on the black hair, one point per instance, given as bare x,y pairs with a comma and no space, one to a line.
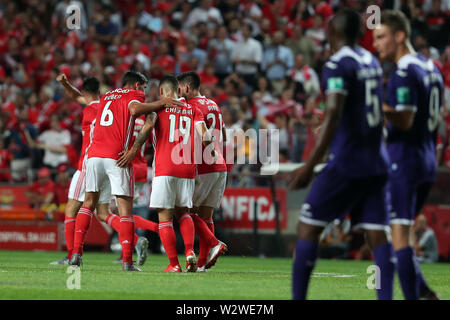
191,78
170,81
348,23
132,76
91,85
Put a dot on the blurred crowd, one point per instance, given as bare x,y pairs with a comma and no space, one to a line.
259,60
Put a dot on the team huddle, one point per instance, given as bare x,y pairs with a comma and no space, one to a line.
380,175
381,182
115,130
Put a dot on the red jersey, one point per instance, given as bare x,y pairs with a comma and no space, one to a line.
61,192
139,163
114,123
87,130
42,189
214,122
173,141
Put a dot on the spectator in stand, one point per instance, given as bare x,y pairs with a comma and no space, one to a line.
54,142
21,146
41,192
300,44
164,63
207,76
61,186
425,241
5,160
220,49
306,83
205,12
277,60
438,22
247,56
193,52
317,32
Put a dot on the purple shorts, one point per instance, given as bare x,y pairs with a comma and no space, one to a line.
333,195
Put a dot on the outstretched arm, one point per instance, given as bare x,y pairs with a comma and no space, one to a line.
140,108
127,156
73,92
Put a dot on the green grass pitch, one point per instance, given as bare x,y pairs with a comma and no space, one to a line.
28,275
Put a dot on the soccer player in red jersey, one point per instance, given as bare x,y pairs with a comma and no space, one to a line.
90,97
174,172
211,179
115,121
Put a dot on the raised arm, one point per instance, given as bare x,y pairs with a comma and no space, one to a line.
73,92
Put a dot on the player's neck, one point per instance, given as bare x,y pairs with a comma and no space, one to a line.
341,44
405,49
90,99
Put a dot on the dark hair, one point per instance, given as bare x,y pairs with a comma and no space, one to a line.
396,21
191,78
132,76
348,22
91,85
170,81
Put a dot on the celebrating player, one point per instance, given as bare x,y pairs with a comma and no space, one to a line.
413,108
113,134
211,179
356,170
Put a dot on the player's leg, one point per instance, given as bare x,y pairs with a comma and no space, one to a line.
168,238
187,231
330,196
72,208
82,223
206,214
371,215
403,200
126,227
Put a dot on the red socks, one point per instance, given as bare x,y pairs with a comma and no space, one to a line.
113,220
204,248
203,231
141,223
169,241
187,232
82,224
69,231
126,236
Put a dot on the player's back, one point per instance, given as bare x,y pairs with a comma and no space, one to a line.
87,129
214,122
417,85
114,123
173,141
357,149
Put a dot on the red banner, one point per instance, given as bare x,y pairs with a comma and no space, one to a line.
238,206
29,237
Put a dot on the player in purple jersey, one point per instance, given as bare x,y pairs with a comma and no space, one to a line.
413,108
355,175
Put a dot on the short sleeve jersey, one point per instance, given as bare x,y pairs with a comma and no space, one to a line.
417,85
357,149
214,123
114,124
173,141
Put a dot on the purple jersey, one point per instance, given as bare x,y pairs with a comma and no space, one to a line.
416,84
357,149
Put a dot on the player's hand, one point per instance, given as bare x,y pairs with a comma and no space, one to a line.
302,177
171,102
61,78
125,158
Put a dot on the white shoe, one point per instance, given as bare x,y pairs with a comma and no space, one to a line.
215,253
